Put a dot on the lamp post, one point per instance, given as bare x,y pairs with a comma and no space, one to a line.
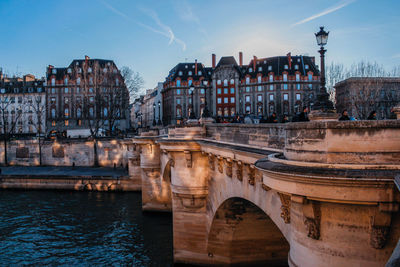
206,112
192,114
159,112
154,114
322,108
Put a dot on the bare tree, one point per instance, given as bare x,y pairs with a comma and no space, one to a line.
38,107
8,121
334,74
133,81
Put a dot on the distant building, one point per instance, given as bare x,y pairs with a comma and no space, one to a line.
281,84
22,104
360,96
87,93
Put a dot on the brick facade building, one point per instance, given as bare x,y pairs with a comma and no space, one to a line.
361,95
282,84
89,93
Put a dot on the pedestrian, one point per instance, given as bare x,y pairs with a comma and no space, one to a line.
345,116
247,119
372,115
303,115
273,118
285,119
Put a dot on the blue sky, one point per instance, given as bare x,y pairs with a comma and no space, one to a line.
153,36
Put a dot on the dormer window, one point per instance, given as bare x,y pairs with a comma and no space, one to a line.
116,82
180,73
271,78
192,66
78,80
297,76
205,82
247,80
54,71
259,79
105,70
190,82
190,73
69,70
89,69
250,69
296,67
219,82
285,77
53,81
186,66
265,62
178,83
269,68
225,82
306,67
310,77
286,67
79,70
199,73
232,81
260,68
66,81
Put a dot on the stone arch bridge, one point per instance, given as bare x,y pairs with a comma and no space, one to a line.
302,194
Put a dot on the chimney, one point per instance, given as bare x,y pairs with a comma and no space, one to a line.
195,67
289,56
87,58
213,61
254,63
240,59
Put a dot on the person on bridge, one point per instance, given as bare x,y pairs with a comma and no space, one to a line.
273,118
345,116
372,115
303,115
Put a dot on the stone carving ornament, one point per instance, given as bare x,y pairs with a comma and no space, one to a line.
285,207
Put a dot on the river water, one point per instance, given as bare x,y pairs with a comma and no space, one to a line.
81,228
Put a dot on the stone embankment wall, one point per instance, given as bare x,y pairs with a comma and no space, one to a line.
67,153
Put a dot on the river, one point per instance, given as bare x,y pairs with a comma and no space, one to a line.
81,228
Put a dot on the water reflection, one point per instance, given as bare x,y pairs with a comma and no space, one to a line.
81,228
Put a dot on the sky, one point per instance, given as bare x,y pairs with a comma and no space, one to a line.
151,37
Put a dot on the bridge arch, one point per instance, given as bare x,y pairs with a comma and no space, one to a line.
240,231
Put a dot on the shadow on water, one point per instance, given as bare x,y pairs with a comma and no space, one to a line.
81,228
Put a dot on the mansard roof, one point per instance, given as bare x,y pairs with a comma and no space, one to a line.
227,61
277,66
16,86
185,68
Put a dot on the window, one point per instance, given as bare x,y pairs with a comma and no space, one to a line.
226,101
54,71
296,67
310,86
260,68
297,77
259,79
79,112
225,82
250,69
232,100
53,81
66,81
89,69
91,99
52,100
219,91
190,73
199,73
202,91
285,86
180,73
248,89
66,112
226,112
225,90
232,81
178,83
259,98
53,123
12,99
205,82
116,82
20,99
219,100
186,66
247,99
66,90
91,90
66,122
233,112
247,80
310,77
219,82
285,97
105,112
178,101
190,82
260,88
53,113
271,87
178,112
298,96
219,111
78,90
202,100
271,78
269,68
79,122
286,67
53,90
306,67
178,91
232,90
271,97
78,81
285,77
91,111
65,100
248,109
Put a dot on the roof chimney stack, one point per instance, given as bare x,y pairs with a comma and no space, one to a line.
240,59
195,67
87,58
254,63
213,60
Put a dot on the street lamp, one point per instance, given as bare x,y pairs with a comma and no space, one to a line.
322,102
159,112
154,114
192,115
206,112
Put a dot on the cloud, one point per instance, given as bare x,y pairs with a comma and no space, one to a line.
185,12
340,5
396,55
164,31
